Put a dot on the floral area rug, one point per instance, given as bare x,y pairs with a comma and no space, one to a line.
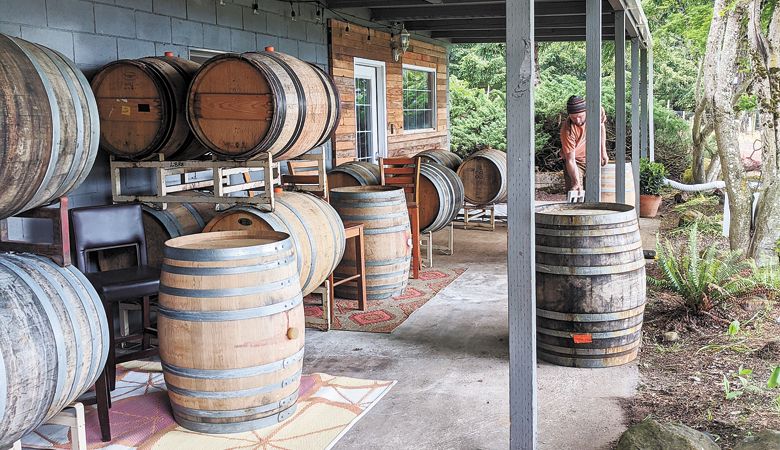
382,316
141,417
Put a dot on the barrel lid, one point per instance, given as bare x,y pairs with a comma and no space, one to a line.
589,213
227,245
373,191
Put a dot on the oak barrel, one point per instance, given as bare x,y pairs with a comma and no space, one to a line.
49,128
231,330
354,173
240,105
444,157
484,177
609,183
388,238
53,341
441,196
314,226
142,106
590,284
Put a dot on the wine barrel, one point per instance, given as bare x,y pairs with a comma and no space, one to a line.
49,128
231,328
590,284
484,177
354,173
53,341
443,157
240,105
441,196
387,240
609,183
313,225
141,103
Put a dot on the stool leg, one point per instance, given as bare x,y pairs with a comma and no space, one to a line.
111,363
103,398
415,216
360,267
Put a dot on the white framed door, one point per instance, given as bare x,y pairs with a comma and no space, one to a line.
370,110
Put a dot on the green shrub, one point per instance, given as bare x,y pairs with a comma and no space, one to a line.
768,277
477,118
701,278
651,177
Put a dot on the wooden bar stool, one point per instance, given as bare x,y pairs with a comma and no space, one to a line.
359,278
405,173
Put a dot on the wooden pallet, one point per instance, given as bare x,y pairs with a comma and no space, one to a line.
479,217
59,249
220,184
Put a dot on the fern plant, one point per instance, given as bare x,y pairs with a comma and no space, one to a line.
701,278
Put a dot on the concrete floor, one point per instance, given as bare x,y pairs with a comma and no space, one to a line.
451,362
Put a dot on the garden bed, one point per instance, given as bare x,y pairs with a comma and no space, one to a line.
682,380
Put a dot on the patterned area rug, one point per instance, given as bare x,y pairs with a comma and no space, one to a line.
383,316
141,417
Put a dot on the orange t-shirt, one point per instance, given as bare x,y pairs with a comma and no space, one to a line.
573,138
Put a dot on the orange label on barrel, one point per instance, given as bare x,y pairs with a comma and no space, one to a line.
582,338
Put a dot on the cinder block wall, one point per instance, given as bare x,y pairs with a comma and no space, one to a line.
93,33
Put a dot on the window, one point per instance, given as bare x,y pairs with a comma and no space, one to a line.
419,91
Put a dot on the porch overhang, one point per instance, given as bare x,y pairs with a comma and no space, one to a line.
472,21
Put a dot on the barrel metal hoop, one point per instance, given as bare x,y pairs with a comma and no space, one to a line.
195,214
592,317
227,254
378,194
580,351
336,231
235,427
221,374
383,262
598,335
218,395
280,112
235,413
379,276
228,292
360,204
589,250
584,232
387,230
35,200
218,271
230,315
301,102
58,333
587,271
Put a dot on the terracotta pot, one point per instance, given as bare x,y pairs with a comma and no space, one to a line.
648,205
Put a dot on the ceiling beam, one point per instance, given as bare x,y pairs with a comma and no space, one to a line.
497,23
483,11
606,31
475,40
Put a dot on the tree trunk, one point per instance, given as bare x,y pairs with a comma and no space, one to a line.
765,52
720,68
700,131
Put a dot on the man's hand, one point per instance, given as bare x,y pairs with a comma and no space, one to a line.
604,159
578,188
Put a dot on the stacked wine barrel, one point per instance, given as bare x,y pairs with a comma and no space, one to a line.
231,329
441,196
443,157
484,177
314,226
142,108
354,173
49,129
240,105
383,212
590,284
53,343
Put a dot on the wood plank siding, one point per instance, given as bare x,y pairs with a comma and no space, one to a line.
344,47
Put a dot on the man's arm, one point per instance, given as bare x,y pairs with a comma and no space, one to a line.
569,158
604,156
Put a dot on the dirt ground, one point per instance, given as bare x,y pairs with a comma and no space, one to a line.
684,380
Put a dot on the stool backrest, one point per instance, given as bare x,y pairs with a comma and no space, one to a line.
104,227
401,172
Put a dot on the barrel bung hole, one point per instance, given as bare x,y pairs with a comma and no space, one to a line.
143,107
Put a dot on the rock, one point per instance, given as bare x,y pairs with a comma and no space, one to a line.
690,216
765,440
681,197
651,435
671,336
755,303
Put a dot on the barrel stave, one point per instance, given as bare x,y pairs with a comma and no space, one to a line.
441,196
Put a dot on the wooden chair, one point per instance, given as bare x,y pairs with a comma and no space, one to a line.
354,232
107,227
405,172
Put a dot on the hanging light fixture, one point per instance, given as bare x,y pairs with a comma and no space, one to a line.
402,44
292,12
318,13
255,8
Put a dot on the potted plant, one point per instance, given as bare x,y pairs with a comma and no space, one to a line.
651,180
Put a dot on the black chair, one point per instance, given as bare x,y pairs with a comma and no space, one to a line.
110,227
